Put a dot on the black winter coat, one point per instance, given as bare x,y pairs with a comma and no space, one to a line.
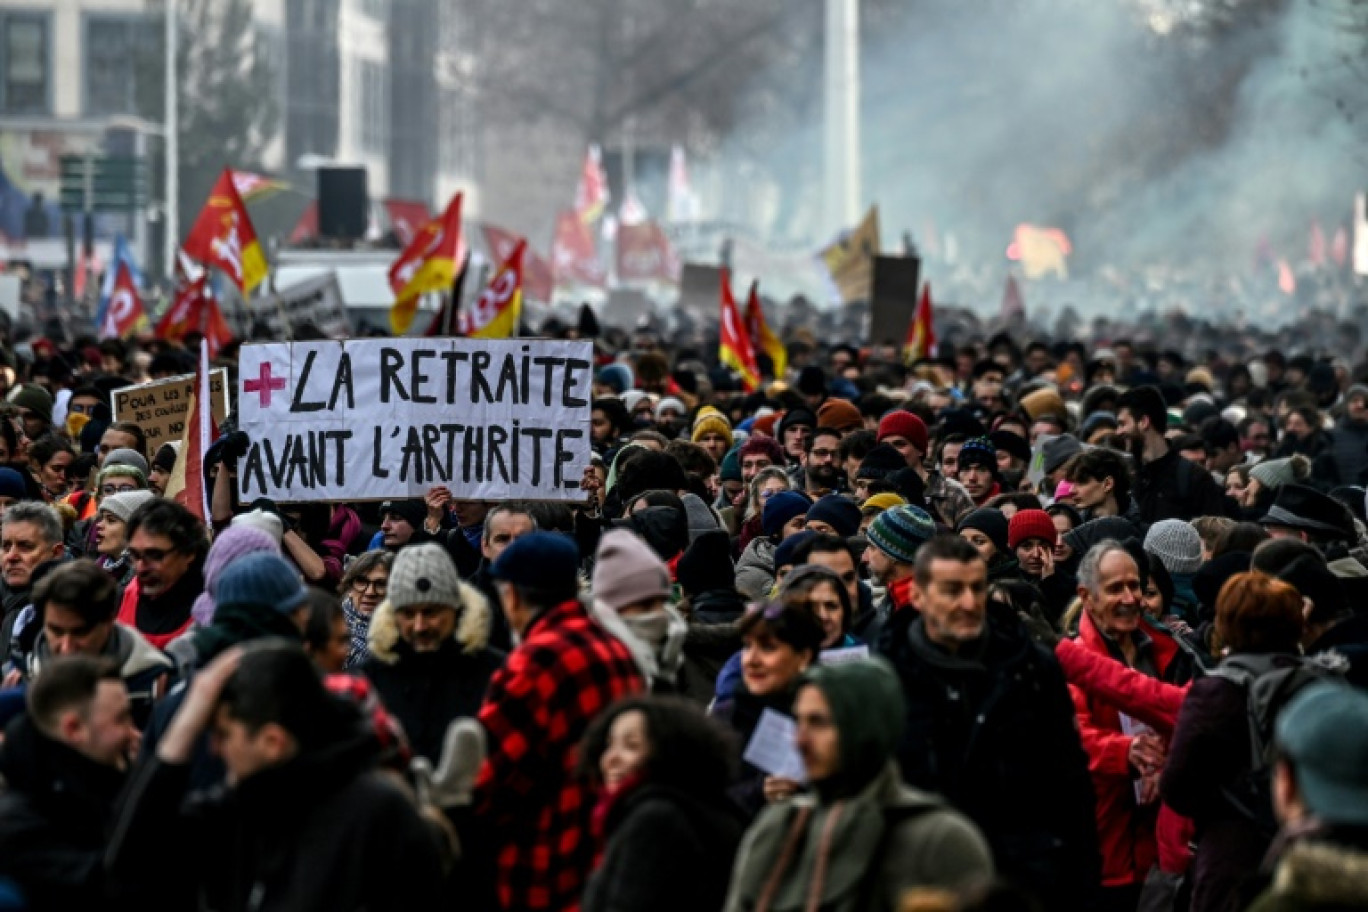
667,851
426,691
326,832
53,820
995,735
712,639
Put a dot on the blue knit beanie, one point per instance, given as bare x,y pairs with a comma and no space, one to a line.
838,512
262,578
781,508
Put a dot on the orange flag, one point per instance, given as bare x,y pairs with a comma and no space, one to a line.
223,236
734,346
762,336
429,263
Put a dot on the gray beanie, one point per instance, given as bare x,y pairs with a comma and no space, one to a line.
424,575
1177,545
627,571
1274,473
1059,451
123,505
125,456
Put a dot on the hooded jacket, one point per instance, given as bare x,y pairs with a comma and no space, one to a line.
711,640
427,690
53,819
861,837
148,673
755,569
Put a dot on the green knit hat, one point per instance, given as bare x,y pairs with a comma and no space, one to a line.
899,532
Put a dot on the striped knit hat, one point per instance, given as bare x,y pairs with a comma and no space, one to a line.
980,452
899,532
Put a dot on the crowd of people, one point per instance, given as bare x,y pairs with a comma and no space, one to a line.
1027,626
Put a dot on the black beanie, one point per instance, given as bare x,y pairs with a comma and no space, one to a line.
707,565
991,523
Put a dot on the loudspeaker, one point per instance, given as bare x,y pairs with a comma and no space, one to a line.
893,299
342,203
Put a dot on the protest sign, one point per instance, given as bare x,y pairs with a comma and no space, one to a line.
369,419
159,407
317,301
896,280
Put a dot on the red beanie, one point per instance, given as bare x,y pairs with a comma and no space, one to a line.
906,425
1028,524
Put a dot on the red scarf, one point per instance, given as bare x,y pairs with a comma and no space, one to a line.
901,593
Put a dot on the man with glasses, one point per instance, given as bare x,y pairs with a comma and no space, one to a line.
821,472
167,545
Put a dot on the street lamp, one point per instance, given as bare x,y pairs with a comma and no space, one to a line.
172,239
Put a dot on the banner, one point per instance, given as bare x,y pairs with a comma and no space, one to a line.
644,254
374,419
159,407
850,259
317,301
574,257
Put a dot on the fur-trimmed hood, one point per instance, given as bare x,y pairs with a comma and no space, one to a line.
472,627
1316,873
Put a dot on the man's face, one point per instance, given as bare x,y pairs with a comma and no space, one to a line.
426,627
954,601
988,390
1357,407
504,529
115,440
843,565
715,444
816,735
22,549
158,562
977,480
1032,554
82,404
108,735
881,566
669,422
949,463
1091,493
795,440
243,751
470,512
905,448
396,530
821,461
752,463
34,426
1116,605
67,634
1128,427
1296,425
1256,437
600,428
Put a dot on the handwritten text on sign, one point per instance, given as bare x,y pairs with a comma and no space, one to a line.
159,407
390,418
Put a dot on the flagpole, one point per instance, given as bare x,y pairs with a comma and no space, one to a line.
172,223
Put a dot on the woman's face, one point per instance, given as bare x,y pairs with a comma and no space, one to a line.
1062,524
769,666
368,589
111,535
52,475
768,489
1090,493
1235,486
982,543
626,751
825,603
1153,599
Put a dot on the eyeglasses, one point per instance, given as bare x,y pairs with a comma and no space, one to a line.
81,409
361,584
823,453
149,555
110,490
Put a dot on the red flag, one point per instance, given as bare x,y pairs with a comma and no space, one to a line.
125,308
1287,279
537,281
644,254
306,229
200,432
734,344
429,263
573,255
1315,250
1339,247
921,334
591,197
406,217
223,236
1013,306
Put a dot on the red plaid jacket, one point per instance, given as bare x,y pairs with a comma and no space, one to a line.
567,670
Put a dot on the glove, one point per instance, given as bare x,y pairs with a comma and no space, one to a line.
452,783
235,445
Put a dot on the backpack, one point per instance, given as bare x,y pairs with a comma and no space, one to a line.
1269,683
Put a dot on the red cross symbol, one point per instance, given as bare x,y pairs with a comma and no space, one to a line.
264,384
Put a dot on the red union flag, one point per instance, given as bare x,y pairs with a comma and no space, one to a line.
125,308
644,254
537,281
574,258
734,343
428,264
223,236
591,197
921,333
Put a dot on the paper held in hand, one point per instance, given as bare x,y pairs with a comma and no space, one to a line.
773,747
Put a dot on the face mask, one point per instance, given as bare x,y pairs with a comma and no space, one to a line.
650,627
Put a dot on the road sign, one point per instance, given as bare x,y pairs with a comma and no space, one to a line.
103,183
